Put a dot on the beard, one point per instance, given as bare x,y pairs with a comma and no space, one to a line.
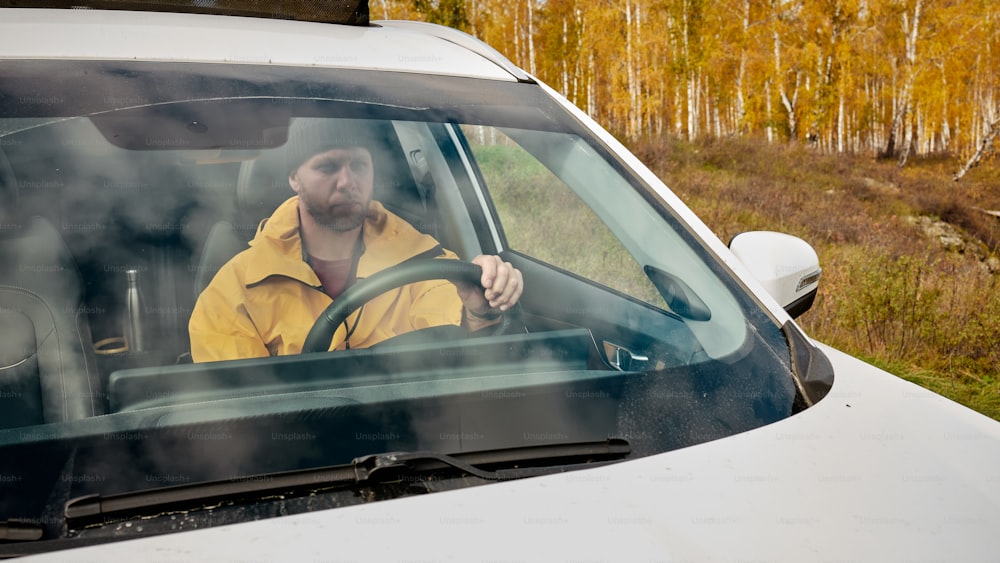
341,217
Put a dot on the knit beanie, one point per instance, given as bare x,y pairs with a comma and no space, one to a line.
308,137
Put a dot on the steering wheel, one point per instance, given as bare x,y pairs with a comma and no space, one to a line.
409,272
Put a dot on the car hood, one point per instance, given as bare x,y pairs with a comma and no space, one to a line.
879,470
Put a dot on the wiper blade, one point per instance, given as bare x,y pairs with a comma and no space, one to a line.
510,463
17,530
526,461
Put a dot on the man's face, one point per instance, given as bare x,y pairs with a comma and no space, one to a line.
335,187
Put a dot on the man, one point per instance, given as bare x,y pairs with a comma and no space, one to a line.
317,244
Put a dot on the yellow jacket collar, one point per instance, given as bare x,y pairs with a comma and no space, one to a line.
276,249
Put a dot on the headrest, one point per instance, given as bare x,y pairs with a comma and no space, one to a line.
11,222
262,185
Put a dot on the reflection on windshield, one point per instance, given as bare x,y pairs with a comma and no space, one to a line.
165,267
618,225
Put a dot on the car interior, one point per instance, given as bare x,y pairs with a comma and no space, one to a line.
92,211
85,208
163,194
126,185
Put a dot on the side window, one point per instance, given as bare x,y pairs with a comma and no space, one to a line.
527,195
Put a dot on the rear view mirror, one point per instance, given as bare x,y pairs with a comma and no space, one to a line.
786,266
200,125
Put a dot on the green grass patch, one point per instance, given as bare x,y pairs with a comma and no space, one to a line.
524,192
981,394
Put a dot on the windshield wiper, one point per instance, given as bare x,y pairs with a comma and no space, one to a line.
491,465
17,530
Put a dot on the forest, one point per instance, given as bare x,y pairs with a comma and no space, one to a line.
888,78
870,111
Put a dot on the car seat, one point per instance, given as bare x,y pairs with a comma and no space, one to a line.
47,367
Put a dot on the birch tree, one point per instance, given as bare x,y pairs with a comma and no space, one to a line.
892,78
985,149
788,74
741,74
910,20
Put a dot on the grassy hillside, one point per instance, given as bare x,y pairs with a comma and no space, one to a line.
911,275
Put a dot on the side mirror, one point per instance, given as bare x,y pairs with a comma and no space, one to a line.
786,266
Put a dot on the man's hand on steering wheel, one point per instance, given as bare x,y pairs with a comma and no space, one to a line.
503,284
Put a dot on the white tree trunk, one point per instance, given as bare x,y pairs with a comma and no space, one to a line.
741,109
531,37
769,130
985,148
787,102
692,95
632,23
841,123
911,29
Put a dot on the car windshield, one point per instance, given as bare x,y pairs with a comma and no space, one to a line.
127,187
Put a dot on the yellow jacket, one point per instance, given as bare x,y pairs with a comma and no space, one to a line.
264,301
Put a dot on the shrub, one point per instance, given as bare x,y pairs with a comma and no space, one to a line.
889,293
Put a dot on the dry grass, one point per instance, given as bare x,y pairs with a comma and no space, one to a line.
891,293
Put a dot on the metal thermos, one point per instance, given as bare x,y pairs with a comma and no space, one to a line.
133,313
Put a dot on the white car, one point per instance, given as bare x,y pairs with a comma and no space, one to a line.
651,399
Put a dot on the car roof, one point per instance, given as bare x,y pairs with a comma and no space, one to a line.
159,36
